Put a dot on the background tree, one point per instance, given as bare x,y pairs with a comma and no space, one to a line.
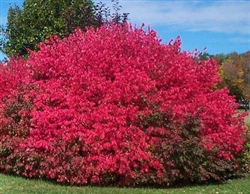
40,19
233,74
236,74
205,56
220,57
245,60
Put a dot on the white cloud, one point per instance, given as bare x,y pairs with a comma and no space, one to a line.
213,16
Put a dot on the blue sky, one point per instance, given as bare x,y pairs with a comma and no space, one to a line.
222,26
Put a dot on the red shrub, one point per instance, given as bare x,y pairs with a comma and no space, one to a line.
115,106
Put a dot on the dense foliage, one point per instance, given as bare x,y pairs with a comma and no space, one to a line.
39,19
116,107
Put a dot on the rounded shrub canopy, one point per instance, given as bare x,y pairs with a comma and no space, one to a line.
115,106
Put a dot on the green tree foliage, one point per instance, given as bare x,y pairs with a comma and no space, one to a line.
205,56
221,57
39,19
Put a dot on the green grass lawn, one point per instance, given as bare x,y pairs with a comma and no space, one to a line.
18,185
